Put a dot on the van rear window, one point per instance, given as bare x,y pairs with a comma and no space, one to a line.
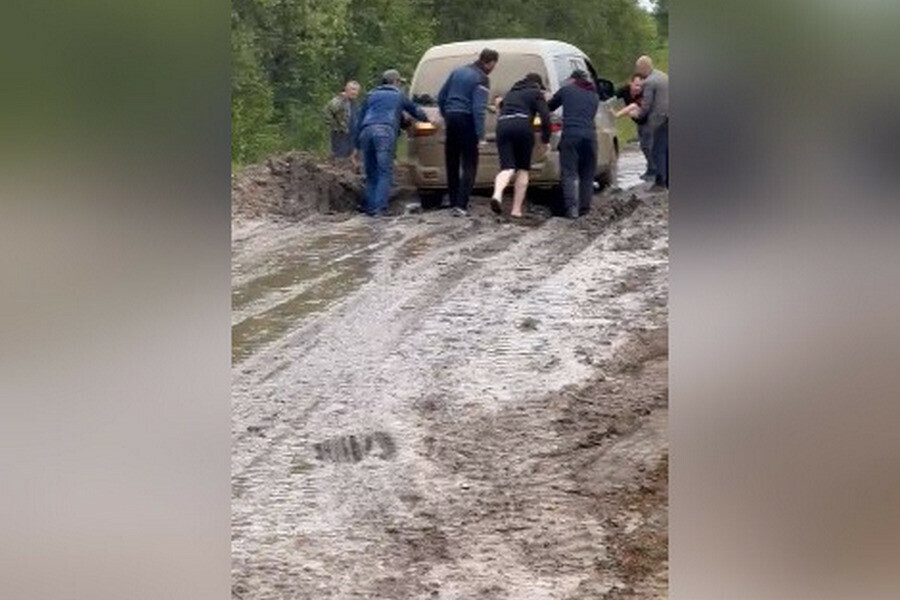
432,74
566,65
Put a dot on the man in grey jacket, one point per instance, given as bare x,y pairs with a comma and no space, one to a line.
655,109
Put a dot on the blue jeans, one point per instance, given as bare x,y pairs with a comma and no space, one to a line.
645,132
578,166
661,153
377,147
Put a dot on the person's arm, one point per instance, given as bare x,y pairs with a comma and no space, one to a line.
480,96
442,95
647,98
330,116
631,110
544,112
414,110
556,101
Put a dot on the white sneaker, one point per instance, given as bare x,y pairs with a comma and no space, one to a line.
458,212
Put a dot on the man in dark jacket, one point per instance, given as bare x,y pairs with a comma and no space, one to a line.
578,143
462,101
376,138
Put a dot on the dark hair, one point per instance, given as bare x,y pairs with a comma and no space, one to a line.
535,78
635,76
579,74
488,56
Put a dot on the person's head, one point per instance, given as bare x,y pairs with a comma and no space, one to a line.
488,59
351,90
391,77
579,75
535,79
636,85
644,66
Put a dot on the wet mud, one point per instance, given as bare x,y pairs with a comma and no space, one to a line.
296,185
434,407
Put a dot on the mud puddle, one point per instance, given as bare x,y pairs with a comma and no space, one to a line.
303,262
631,166
304,279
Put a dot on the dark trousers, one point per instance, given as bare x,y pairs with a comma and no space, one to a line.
377,145
661,153
645,134
341,144
578,166
461,150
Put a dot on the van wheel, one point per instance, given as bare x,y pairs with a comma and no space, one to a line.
431,199
608,178
551,197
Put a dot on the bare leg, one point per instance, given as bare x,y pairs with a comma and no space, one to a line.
521,186
501,181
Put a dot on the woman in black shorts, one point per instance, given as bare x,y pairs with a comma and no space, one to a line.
515,138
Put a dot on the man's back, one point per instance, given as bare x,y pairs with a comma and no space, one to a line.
466,91
457,95
579,101
655,99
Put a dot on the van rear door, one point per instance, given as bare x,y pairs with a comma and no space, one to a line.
427,147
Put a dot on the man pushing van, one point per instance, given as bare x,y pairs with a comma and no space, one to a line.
462,101
376,137
578,144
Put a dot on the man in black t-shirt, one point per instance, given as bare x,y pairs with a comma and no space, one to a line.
631,95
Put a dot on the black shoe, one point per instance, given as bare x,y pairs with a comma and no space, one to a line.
496,206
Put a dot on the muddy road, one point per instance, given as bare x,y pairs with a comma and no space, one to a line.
433,407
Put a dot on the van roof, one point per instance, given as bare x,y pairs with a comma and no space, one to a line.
502,45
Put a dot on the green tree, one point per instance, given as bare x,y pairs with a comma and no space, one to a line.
290,56
253,132
661,13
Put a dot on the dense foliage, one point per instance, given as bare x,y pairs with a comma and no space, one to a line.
290,56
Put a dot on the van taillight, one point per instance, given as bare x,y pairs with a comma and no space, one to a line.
423,129
555,126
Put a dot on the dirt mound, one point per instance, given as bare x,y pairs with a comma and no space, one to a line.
297,184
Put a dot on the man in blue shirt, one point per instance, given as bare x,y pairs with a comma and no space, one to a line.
578,143
462,101
376,137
